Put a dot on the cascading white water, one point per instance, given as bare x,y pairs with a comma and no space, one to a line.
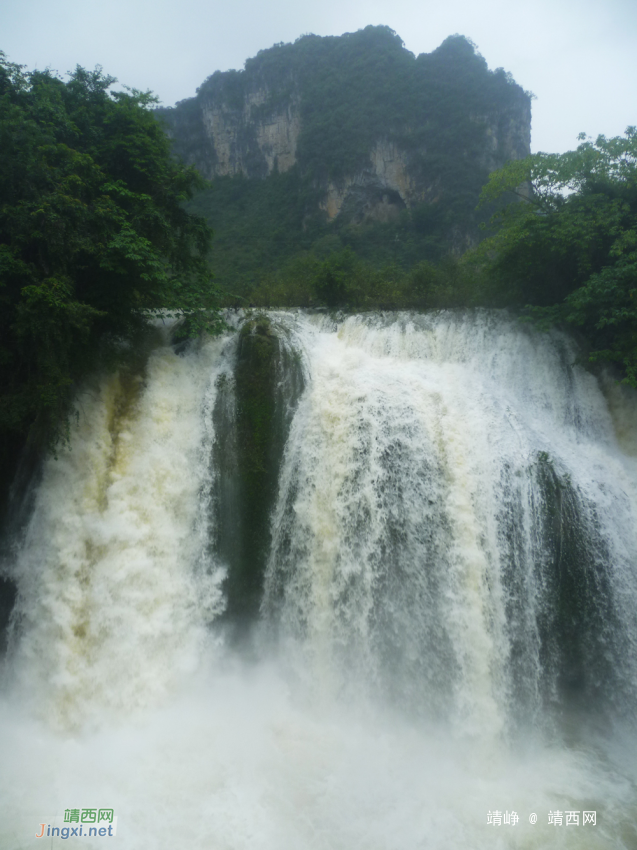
114,591
410,549
449,613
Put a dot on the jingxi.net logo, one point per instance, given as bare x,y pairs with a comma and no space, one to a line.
80,823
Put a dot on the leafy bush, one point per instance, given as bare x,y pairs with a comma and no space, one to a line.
568,246
93,236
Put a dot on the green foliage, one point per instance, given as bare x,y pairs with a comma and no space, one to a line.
342,280
93,236
262,225
568,248
257,224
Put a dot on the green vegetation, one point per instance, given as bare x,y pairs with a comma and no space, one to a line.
257,224
261,230
345,281
93,237
568,249
439,109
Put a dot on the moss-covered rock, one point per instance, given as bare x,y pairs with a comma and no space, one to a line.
256,462
253,412
8,593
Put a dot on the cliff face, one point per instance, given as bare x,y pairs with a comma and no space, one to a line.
399,128
391,181
250,138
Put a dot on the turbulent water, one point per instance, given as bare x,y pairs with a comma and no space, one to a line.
448,625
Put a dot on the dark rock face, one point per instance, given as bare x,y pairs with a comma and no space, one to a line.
252,418
8,593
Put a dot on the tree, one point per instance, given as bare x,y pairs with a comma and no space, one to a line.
93,236
568,247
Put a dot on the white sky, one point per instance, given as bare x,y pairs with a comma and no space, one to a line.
579,57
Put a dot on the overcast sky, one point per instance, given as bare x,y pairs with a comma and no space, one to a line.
579,57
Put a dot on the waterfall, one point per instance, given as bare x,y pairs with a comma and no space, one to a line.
426,527
114,586
456,521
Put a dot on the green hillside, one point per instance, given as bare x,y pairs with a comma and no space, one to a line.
442,110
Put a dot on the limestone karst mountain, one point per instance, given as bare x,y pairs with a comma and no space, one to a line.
340,136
